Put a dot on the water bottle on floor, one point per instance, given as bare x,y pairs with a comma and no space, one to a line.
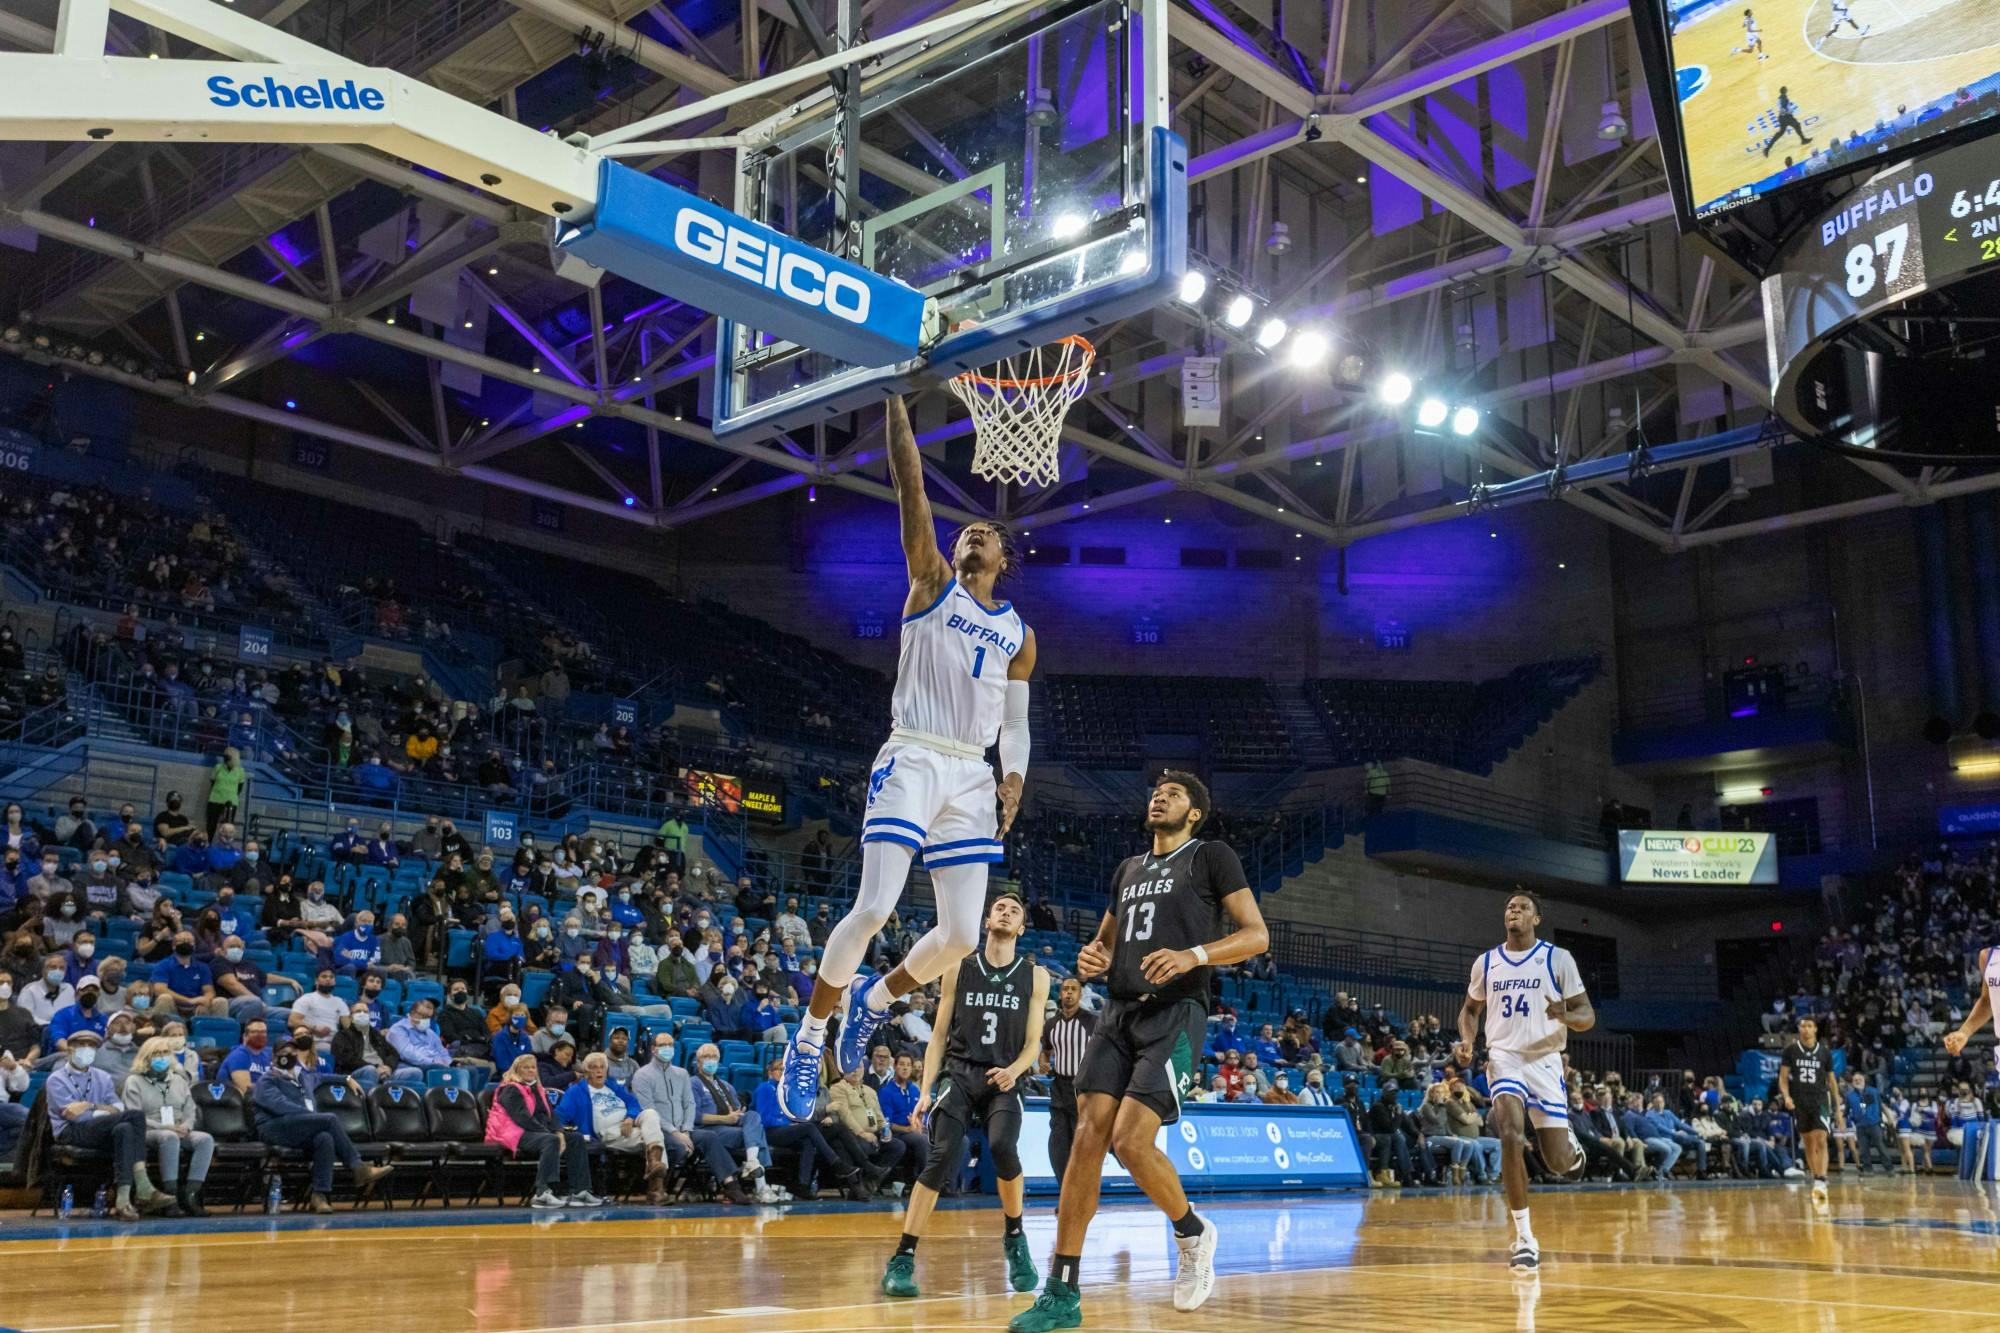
274,1197
100,1203
67,1205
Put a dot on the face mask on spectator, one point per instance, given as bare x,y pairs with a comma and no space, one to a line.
121,1039
159,1065
510,998
708,1066
316,893
6,991
664,1052
517,1022
83,1057
728,991
142,1002
49,869
251,856
69,909
324,987
85,950
557,1029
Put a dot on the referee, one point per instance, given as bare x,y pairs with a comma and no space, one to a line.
1062,1046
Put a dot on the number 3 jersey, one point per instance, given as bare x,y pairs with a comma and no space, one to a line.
989,1012
1517,990
1169,902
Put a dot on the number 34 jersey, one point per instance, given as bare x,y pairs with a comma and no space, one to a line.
1169,902
1517,990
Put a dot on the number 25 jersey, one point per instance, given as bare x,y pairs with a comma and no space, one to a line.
1169,902
1517,991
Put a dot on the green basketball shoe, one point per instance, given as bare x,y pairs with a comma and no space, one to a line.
900,1277
1021,1274
1058,1306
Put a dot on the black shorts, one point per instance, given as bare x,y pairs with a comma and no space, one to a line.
1148,1052
1812,1117
965,1098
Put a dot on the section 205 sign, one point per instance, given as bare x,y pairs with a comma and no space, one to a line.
1656,856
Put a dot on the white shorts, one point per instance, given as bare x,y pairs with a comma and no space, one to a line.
940,806
1537,1083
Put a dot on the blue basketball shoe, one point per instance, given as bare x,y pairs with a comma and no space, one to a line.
798,1082
858,1025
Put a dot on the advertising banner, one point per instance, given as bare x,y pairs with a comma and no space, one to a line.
1655,856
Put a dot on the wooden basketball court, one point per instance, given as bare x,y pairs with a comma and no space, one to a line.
1894,1254
1915,51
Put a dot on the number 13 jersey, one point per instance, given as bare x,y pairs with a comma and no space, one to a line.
1169,902
1517,992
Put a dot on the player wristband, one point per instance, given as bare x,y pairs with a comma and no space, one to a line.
1200,956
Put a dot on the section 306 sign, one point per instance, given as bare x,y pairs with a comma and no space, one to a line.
1659,856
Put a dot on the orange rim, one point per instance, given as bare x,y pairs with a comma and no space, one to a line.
1082,368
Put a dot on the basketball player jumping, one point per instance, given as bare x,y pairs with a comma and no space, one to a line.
1532,997
1840,16
1160,937
984,1038
1753,39
1805,1076
1787,112
961,685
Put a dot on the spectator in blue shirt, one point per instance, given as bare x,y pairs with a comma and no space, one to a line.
185,982
372,775
1266,1047
1864,1115
417,1043
348,845
623,910
899,1097
357,950
1634,1123
85,1015
573,943
191,857
1665,1124
599,1107
1227,1037
86,1110
502,948
382,849
513,1040
223,853
250,1060
287,1118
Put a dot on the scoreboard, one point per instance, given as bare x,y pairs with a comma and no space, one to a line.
1910,231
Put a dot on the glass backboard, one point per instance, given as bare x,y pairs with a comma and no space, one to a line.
1019,174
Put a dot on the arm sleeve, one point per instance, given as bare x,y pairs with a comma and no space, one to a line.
1014,730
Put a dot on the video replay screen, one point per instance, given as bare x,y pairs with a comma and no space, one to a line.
1772,93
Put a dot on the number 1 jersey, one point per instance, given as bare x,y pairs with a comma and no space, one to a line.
1169,902
1517,992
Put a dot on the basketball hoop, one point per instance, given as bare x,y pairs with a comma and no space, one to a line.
1017,413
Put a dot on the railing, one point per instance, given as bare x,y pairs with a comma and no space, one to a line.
1071,877
1711,702
1465,797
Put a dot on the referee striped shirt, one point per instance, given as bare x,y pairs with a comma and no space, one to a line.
1064,1040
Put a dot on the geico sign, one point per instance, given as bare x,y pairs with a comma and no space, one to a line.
745,255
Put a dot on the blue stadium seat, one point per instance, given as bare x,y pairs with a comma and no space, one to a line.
423,988
535,987
215,1033
683,1007
626,1021
455,1077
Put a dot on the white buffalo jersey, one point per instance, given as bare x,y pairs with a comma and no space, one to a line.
1517,992
951,672
1993,991
1750,25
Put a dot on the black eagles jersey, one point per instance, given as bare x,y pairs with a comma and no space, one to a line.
989,1012
1169,902
1812,1073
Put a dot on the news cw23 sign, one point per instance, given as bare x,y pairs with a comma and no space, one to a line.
683,246
1654,856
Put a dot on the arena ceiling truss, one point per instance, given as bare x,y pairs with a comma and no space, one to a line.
1288,111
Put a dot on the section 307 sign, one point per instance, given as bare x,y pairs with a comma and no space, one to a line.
1661,856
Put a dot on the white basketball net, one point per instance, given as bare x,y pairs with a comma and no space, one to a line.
1018,406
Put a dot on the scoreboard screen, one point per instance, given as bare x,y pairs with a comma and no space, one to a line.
1754,96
